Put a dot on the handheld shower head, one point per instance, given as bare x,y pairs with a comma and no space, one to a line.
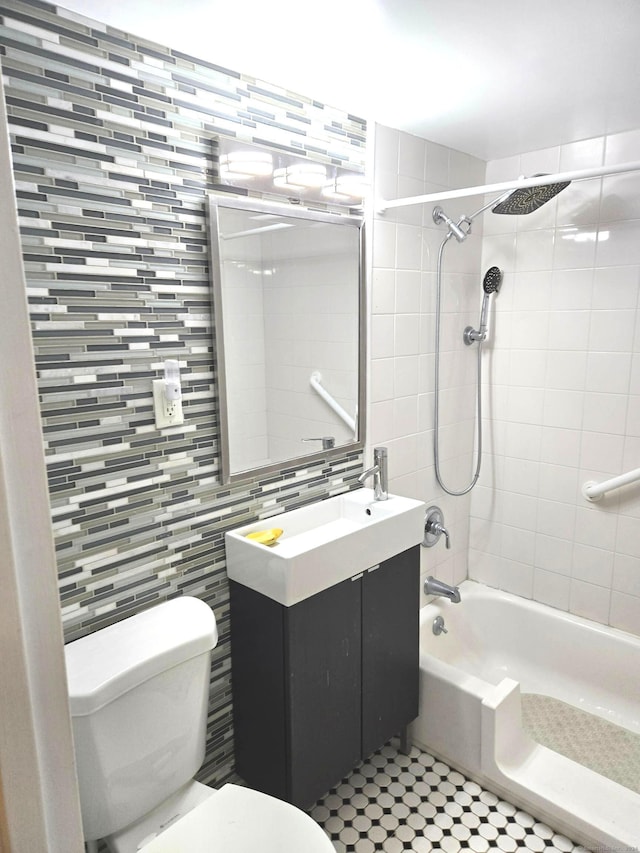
492,280
490,284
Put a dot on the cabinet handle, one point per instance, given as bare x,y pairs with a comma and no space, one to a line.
372,569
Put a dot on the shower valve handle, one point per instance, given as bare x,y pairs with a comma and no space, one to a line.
434,528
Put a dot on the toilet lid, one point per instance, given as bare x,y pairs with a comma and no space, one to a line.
240,820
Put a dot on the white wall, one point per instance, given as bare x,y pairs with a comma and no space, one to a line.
405,246
39,805
563,403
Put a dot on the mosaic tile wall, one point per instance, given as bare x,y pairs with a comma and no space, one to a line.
113,140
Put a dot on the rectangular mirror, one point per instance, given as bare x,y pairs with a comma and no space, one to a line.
288,296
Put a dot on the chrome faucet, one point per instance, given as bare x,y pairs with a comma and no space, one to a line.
432,586
328,441
380,474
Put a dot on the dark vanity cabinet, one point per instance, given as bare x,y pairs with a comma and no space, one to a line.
324,683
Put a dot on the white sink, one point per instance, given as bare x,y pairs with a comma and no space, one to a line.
323,544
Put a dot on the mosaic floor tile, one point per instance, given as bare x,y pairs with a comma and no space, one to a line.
394,803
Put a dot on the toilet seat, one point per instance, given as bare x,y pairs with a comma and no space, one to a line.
240,820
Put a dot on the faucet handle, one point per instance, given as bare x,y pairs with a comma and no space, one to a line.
434,528
328,441
439,529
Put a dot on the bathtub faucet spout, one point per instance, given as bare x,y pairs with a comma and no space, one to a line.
432,586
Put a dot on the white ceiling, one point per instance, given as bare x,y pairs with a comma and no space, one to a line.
489,77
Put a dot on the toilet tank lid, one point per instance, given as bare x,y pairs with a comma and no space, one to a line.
113,660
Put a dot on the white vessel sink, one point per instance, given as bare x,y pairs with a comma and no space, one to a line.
323,544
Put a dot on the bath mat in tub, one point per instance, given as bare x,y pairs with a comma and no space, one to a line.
610,750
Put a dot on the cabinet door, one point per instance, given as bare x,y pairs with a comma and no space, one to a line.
323,644
259,701
390,650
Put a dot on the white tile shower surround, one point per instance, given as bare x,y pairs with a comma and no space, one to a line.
394,802
564,402
405,246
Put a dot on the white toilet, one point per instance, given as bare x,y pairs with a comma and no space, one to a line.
138,693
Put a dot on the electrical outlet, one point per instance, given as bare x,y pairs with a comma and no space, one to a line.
168,412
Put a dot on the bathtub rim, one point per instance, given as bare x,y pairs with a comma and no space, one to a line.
479,590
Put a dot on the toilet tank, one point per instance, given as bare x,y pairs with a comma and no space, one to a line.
138,696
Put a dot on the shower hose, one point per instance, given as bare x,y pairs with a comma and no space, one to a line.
436,426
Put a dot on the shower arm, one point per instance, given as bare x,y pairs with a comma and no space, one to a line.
486,206
463,225
541,180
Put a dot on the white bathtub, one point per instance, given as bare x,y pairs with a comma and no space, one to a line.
470,707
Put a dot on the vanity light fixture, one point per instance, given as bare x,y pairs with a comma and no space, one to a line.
286,173
245,165
300,176
347,187
331,192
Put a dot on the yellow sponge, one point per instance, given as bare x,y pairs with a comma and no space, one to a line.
265,537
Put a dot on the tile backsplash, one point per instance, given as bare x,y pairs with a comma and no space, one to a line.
114,147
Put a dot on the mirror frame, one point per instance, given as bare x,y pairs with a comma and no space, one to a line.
299,212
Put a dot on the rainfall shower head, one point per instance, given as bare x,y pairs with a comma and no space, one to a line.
518,202
528,199
492,280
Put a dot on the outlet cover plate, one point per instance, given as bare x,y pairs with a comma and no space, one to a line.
168,413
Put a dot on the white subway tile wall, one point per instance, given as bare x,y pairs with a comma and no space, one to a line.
563,405
405,248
